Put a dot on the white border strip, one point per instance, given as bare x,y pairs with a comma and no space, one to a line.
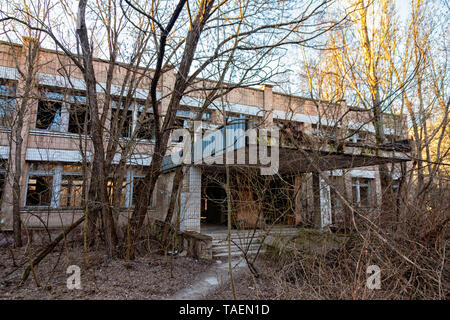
54,155
367,127
362,174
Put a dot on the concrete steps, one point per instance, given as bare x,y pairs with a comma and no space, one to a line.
248,241
238,245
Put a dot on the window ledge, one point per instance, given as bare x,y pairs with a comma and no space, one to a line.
48,208
42,132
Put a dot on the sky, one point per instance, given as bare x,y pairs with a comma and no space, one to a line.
403,8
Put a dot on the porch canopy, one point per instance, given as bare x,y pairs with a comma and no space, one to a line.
306,159
307,153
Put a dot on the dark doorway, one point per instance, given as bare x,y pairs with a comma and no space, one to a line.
214,204
278,200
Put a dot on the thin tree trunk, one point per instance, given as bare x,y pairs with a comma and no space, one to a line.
178,178
97,190
162,133
31,59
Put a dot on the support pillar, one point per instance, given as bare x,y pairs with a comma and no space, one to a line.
322,202
190,200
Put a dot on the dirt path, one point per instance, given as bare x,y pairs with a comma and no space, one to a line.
211,279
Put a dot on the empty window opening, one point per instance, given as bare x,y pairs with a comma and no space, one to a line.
79,118
72,187
127,126
145,126
361,192
49,115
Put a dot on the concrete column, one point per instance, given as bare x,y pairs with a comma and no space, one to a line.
190,200
325,205
128,188
376,189
65,117
322,202
27,114
56,186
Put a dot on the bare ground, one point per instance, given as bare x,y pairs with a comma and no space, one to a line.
263,287
147,277
215,277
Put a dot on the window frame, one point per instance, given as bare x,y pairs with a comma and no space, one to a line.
40,173
77,174
47,96
8,89
77,101
356,183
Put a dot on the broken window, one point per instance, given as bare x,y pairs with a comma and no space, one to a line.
361,191
71,191
39,187
290,132
49,116
39,190
49,113
7,103
79,118
145,126
72,187
127,127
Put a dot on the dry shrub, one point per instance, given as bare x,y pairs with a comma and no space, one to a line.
410,247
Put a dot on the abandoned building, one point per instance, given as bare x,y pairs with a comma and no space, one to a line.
52,179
